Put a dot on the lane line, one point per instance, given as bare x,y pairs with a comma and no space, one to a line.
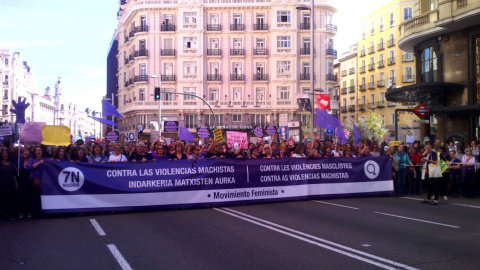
285,230
466,205
118,256
338,205
420,220
97,227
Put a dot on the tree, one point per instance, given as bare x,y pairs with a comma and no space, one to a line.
306,127
371,126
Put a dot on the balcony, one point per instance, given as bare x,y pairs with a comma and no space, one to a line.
331,52
304,26
407,58
343,91
259,27
351,71
371,50
237,77
305,51
214,27
381,64
381,83
391,43
362,53
260,52
362,69
372,106
381,104
391,61
304,76
167,28
331,77
343,109
237,27
140,53
351,89
371,85
217,52
140,78
331,27
237,51
371,67
362,107
408,79
139,29
167,78
214,77
260,77
380,47
392,80
335,98
362,87
344,73
351,108
167,52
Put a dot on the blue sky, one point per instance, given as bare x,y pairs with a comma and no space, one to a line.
70,39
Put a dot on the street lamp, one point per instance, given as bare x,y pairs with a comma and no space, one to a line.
312,62
159,105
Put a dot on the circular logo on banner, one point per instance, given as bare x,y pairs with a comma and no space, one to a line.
371,169
71,179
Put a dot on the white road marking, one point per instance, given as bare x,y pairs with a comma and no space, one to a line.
318,241
420,220
366,245
97,227
410,198
338,205
466,205
118,256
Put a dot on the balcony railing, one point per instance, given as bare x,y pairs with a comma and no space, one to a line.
343,109
391,61
362,87
381,104
351,71
362,69
167,28
362,53
331,27
407,58
391,42
344,73
261,26
237,77
362,107
304,26
380,46
214,77
304,76
237,51
351,89
408,78
381,83
237,27
331,77
331,52
141,28
140,53
214,51
351,108
305,51
372,106
371,67
371,85
260,52
214,27
260,77
371,50
166,52
140,78
381,64
343,91
167,78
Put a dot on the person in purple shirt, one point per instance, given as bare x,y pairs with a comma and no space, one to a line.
455,173
35,164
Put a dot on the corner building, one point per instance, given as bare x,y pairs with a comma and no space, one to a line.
248,58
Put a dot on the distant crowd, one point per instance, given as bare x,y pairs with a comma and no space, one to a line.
457,164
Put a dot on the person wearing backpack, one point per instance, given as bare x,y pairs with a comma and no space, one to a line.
403,162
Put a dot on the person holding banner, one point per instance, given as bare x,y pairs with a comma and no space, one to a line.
117,155
8,187
35,164
178,152
81,155
267,152
97,155
160,152
403,161
60,154
140,154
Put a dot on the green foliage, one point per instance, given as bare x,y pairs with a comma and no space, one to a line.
306,127
371,127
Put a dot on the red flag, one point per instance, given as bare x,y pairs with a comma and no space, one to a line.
323,101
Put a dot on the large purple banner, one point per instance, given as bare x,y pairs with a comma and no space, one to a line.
74,187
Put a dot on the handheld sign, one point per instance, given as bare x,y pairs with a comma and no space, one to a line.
218,135
20,108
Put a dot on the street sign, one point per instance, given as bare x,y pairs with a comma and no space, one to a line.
329,132
5,130
294,124
426,121
421,111
218,135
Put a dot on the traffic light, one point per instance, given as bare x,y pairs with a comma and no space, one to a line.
157,93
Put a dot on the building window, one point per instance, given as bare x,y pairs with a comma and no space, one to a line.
408,74
189,42
168,94
283,18
141,95
237,118
190,18
381,24
283,68
190,121
392,119
6,62
372,28
190,91
283,92
392,19
260,94
429,65
189,70
407,13
259,120
283,44
213,94
237,94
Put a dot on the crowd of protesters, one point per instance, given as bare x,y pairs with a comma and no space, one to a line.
20,181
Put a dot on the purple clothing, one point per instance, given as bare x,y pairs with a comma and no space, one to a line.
454,162
36,172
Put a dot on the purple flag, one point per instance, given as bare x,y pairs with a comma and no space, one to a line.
341,133
109,110
356,133
185,134
104,121
325,120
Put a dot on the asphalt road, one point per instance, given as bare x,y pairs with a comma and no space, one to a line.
345,233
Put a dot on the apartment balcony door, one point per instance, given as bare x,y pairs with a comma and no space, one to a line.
142,45
306,44
237,68
168,44
260,19
168,68
214,18
168,18
330,43
260,42
214,69
306,18
237,19
214,44
260,68
306,68
143,70
143,21
260,94
213,94
237,43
